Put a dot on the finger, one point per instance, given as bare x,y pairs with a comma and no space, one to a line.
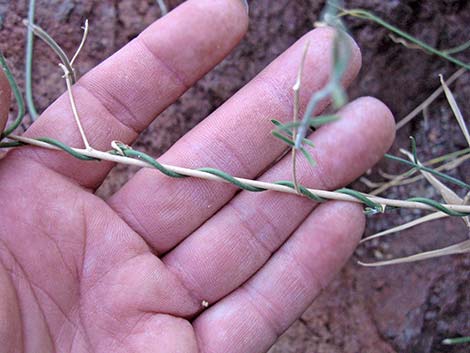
236,139
121,96
236,242
5,96
255,315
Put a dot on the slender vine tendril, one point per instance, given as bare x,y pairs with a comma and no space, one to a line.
359,13
33,113
18,98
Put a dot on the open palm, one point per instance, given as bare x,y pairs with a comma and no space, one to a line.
134,273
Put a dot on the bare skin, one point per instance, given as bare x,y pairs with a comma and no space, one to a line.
130,274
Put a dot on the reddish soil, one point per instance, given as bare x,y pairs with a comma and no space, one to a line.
405,308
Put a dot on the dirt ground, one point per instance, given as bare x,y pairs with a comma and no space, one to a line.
405,308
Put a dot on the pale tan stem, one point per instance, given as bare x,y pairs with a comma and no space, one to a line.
68,81
429,100
82,43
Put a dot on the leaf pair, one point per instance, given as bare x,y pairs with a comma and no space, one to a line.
285,133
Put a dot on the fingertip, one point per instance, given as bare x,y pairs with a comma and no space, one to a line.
355,62
382,120
372,122
197,35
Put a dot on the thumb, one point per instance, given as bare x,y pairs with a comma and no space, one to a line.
5,96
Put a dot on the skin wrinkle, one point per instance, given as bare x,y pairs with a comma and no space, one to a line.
81,276
274,311
36,287
61,255
135,224
227,152
276,331
307,273
58,249
109,271
138,321
36,301
83,86
251,230
17,299
77,335
192,293
181,80
62,311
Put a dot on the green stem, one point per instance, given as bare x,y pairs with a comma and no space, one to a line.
369,16
458,49
53,45
429,170
457,340
18,98
163,7
29,64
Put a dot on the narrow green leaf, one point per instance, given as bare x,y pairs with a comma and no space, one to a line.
309,157
283,138
308,142
18,98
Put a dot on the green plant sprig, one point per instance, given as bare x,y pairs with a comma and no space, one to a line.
429,170
360,13
334,88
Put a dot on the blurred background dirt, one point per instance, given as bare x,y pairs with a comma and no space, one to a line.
405,308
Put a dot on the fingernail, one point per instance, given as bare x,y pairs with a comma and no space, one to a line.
245,2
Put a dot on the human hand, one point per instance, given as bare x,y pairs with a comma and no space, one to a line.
130,274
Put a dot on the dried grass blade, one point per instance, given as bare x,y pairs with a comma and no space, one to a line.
413,223
455,109
460,248
429,100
